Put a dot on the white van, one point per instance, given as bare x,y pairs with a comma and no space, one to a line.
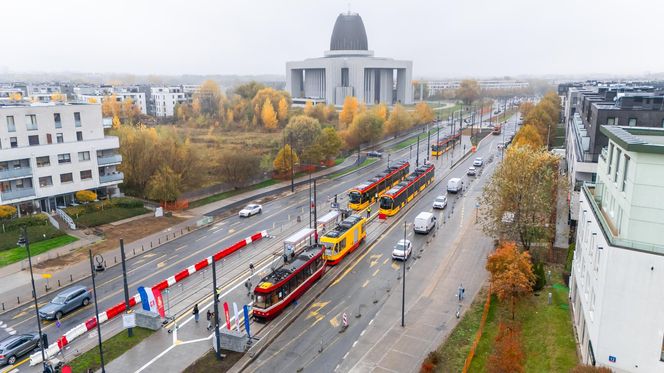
455,185
424,222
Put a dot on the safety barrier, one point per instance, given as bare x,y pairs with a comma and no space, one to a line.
478,336
119,308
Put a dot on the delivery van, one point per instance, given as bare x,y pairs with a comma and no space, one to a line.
455,185
424,222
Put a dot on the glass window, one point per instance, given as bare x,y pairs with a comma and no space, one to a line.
33,140
57,120
66,178
624,175
11,126
87,174
31,122
79,136
43,161
632,122
45,181
77,119
83,156
64,158
13,142
58,138
610,121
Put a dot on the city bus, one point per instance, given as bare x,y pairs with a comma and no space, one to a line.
366,193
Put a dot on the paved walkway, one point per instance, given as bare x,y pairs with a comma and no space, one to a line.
562,216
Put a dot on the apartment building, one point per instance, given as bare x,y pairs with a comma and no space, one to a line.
164,99
618,269
437,86
49,151
101,93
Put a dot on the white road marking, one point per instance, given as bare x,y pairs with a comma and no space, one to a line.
200,238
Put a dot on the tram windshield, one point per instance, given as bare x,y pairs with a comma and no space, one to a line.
261,301
386,203
355,197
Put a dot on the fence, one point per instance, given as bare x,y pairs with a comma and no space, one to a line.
478,336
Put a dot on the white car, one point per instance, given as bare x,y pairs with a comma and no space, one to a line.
440,202
471,171
402,250
478,162
249,210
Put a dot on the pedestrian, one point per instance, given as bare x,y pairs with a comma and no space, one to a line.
196,312
208,317
458,312
463,292
368,212
460,292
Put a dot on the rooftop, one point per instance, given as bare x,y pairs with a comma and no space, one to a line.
636,139
14,104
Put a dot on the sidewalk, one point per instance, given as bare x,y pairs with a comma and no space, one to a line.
562,216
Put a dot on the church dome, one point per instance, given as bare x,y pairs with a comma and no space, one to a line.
349,33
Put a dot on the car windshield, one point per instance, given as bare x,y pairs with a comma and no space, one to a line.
440,199
400,246
249,207
60,299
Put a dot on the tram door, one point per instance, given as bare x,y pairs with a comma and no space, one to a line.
355,234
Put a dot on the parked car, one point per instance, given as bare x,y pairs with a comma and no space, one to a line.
16,346
471,171
402,250
250,210
501,146
478,162
440,202
374,154
66,301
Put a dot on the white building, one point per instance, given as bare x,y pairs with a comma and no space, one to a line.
49,151
100,93
164,99
437,86
617,281
349,68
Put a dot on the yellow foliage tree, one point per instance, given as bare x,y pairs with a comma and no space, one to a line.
7,211
16,96
230,117
400,120
110,106
348,111
58,97
86,196
116,122
528,135
284,161
268,116
283,110
381,111
308,108
423,113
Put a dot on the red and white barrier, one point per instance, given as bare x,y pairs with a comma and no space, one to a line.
119,308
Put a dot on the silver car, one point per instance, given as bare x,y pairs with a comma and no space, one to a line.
17,345
66,301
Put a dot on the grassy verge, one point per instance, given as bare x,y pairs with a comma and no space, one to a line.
36,233
504,116
209,362
558,137
405,143
366,162
93,219
113,347
547,336
17,254
230,193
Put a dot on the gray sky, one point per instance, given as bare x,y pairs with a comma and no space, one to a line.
442,38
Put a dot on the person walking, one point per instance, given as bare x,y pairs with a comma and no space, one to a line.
196,312
208,317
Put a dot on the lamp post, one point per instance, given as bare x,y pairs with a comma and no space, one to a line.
292,171
403,292
23,241
94,295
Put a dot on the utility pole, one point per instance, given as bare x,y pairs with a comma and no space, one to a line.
417,153
215,301
94,295
438,142
124,282
428,144
403,292
292,169
315,215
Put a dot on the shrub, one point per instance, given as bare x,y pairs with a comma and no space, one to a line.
86,196
540,276
127,202
7,211
30,221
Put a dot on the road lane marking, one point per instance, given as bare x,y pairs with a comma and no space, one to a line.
365,283
334,322
374,259
181,247
376,272
385,261
395,265
161,264
200,238
316,307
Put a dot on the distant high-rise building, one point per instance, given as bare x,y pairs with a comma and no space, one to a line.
349,68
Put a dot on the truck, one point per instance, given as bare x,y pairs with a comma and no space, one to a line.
496,129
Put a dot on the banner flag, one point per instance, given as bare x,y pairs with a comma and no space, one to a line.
237,317
228,316
246,320
160,302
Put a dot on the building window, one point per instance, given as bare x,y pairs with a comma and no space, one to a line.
66,178
44,161
49,138
662,122
618,156
57,120
83,156
610,121
608,164
58,138
77,119
13,142
632,122
79,136
11,126
624,175
64,158
31,122
45,181
33,140
87,174
661,356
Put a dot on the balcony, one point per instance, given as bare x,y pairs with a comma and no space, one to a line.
109,159
118,176
15,173
17,194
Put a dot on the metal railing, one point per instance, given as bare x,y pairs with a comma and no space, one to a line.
12,173
109,159
119,176
67,219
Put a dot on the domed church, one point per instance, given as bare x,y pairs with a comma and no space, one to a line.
349,68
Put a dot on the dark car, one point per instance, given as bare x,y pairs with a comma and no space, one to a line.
374,154
17,345
66,301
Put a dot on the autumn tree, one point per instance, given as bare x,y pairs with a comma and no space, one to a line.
238,168
525,108
400,120
518,202
423,113
269,116
165,185
130,111
273,95
6,212
86,196
248,90
507,355
330,143
381,111
348,111
511,273
308,108
110,106
207,98
366,127
282,110
468,91
285,160
302,132
58,97
528,136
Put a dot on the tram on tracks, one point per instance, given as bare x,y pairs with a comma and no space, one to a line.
396,198
299,271
364,194
441,146
343,239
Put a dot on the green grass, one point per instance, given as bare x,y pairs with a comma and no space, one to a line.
231,193
558,139
93,219
405,143
547,336
36,233
17,254
366,162
113,347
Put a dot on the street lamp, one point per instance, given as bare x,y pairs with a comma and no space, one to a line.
24,242
403,292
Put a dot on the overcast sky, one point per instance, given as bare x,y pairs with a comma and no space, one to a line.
442,38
